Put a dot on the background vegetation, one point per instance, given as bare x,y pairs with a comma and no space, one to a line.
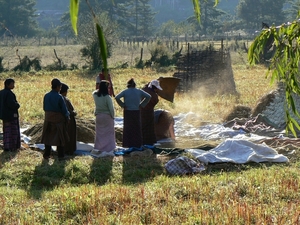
134,21
144,17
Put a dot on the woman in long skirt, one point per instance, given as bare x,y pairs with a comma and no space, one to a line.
133,99
105,141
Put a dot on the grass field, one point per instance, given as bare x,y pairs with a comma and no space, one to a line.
30,87
137,190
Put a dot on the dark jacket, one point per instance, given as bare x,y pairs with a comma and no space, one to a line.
8,105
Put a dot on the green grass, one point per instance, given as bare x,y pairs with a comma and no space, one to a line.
128,190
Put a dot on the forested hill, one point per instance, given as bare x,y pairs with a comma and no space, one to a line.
180,10
52,5
228,5
177,10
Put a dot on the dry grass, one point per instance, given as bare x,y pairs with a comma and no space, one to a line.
30,88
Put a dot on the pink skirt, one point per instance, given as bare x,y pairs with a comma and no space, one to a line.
105,140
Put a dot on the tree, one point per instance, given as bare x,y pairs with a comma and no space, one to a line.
145,19
253,12
293,9
88,38
167,29
18,17
284,66
210,18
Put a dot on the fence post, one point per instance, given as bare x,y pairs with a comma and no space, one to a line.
141,54
222,46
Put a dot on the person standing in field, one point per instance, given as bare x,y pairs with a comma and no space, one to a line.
133,99
105,141
10,116
147,113
56,119
105,75
71,145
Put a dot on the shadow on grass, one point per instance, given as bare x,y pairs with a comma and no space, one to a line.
6,157
52,174
46,177
232,167
141,169
101,170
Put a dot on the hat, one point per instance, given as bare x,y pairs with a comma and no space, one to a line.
64,88
155,83
55,83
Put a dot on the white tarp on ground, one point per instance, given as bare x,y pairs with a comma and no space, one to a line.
185,126
238,151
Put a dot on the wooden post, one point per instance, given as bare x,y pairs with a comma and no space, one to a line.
141,54
222,47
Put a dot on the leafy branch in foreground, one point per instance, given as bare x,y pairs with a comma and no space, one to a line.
74,9
284,65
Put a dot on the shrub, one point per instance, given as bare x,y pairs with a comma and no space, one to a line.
1,66
26,64
87,36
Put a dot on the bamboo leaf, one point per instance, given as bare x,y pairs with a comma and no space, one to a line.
74,8
103,49
292,122
273,77
197,9
252,55
280,70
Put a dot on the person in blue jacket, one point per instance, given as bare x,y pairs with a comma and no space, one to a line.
56,119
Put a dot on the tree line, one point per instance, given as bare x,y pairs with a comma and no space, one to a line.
138,17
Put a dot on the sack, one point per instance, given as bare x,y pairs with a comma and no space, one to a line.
183,165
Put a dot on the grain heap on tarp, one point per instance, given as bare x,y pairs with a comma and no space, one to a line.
85,132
